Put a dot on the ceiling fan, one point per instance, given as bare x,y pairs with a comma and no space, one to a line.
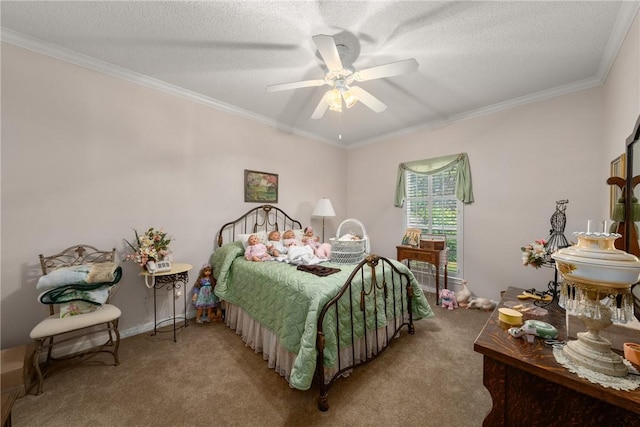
341,78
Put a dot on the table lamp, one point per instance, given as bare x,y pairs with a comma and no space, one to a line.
324,208
601,277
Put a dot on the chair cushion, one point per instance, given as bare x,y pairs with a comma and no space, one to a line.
54,325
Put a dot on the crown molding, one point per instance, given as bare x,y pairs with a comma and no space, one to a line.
626,15
85,61
502,106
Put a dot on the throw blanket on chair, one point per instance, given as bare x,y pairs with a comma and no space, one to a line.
89,283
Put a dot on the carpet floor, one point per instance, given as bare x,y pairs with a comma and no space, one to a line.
209,377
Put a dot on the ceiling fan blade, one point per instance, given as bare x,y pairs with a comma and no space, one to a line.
367,99
387,70
329,52
320,109
295,85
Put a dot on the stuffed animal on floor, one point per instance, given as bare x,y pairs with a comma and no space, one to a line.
481,303
448,299
463,295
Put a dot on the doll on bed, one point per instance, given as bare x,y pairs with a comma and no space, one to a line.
275,246
204,298
321,250
255,250
289,239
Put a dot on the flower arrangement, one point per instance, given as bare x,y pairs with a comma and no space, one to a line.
153,245
535,254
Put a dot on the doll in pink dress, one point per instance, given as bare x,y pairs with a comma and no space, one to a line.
289,239
321,250
255,250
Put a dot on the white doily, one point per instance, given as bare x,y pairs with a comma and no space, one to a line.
630,382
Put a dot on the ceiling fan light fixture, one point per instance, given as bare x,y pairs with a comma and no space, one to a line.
340,76
336,108
349,98
334,99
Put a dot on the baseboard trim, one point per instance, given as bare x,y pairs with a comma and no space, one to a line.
85,343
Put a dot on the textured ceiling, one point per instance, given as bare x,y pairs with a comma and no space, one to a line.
474,57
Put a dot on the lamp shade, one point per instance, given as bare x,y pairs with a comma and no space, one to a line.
324,208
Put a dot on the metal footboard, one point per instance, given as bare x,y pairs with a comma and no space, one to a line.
377,295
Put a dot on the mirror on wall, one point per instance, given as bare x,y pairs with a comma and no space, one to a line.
632,179
632,208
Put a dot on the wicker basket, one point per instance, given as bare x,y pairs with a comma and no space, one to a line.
349,251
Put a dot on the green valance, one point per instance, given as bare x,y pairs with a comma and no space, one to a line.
464,192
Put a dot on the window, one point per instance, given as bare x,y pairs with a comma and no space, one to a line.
431,205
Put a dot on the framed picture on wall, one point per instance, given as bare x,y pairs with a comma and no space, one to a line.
618,168
260,187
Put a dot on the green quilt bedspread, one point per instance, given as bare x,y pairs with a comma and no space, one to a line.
288,302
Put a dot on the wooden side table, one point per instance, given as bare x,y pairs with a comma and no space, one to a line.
174,279
528,387
432,256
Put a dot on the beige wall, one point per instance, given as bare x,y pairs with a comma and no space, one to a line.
87,157
622,93
522,161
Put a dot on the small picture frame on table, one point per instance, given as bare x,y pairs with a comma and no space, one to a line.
411,237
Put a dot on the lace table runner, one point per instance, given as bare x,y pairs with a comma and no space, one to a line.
630,382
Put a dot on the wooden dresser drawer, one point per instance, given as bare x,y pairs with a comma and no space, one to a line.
418,255
429,257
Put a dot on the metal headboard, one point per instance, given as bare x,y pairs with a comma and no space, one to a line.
265,217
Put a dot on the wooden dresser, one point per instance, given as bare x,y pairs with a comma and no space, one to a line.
529,388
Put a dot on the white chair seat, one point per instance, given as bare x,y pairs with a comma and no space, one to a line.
54,324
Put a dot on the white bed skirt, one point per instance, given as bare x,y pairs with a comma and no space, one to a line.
262,340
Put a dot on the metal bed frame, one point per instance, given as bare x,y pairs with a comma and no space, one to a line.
395,292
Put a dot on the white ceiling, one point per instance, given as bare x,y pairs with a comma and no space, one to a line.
474,57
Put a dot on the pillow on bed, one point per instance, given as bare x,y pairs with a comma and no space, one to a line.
299,233
262,236
222,259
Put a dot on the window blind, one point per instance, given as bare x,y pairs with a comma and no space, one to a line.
431,205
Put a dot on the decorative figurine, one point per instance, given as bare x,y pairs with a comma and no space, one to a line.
534,328
203,296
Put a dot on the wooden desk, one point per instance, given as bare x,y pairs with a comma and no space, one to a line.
432,256
529,387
